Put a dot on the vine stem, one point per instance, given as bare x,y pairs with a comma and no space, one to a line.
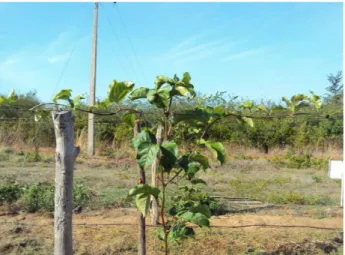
88,111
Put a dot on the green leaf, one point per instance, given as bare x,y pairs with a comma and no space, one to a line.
77,99
192,169
143,137
129,119
249,121
64,94
145,189
2,99
12,96
143,193
217,150
263,108
248,104
143,203
315,99
301,105
180,231
203,209
198,181
118,90
138,93
146,154
160,97
179,91
161,80
186,78
298,98
169,155
287,101
196,218
201,159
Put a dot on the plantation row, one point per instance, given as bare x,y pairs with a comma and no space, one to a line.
318,130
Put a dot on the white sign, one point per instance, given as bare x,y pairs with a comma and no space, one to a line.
336,171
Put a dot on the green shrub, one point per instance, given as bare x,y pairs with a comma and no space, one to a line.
10,194
296,198
38,197
194,197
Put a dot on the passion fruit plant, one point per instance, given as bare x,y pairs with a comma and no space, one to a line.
174,163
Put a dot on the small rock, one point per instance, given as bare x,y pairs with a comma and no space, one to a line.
250,249
18,230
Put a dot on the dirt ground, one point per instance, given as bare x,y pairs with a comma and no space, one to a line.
224,237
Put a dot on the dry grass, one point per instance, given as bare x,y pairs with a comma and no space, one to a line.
122,239
112,176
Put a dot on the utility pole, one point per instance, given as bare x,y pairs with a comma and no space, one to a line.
92,97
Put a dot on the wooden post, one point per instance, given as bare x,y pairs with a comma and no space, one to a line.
65,157
141,218
92,97
154,211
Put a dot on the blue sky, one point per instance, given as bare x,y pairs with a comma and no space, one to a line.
253,50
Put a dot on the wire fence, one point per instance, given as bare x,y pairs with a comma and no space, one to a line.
155,226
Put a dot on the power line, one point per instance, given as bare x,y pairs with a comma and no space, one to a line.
122,48
130,43
64,68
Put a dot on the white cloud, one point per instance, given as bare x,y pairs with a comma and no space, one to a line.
29,68
243,54
58,58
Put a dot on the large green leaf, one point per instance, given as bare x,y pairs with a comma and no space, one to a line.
249,121
64,94
77,99
143,203
145,189
146,154
143,137
138,93
192,169
315,99
169,155
161,80
203,209
179,231
143,193
118,90
201,159
298,98
263,108
287,101
2,99
186,78
197,218
301,105
248,104
160,97
217,150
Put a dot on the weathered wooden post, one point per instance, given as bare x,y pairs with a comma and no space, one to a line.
154,209
65,157
141,218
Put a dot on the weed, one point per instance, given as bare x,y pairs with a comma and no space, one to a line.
316,178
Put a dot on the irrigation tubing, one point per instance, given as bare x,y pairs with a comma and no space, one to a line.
127,224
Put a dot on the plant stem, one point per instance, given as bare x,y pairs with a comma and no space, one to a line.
162,214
